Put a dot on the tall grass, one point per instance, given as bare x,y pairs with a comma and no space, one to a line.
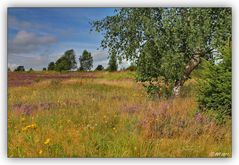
109,116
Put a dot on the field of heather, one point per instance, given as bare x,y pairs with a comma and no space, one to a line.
106,114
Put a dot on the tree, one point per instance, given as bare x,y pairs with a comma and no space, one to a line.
66,62
99,68
9,69
30,70
215,84
113,66
86,61
43,69
51,66
20,69
167,44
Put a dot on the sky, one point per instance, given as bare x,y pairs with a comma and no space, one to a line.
37,36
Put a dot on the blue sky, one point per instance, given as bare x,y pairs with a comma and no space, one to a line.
37,36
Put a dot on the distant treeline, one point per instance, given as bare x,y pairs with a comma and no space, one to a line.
67,62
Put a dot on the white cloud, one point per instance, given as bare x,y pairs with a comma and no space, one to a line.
14,23
28,42
28,38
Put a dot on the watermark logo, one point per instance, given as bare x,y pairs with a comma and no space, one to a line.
219,154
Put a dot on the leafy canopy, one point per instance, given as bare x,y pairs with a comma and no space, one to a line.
66,62
163,41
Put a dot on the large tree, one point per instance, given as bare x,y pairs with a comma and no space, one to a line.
167,44
86,61
66,62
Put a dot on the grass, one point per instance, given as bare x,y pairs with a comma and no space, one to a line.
108,116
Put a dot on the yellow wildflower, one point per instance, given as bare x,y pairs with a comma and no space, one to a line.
40,152
31,126
47,141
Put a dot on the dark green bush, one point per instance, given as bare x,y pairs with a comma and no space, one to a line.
215,84
99,68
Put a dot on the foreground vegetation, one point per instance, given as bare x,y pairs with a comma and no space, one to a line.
109,115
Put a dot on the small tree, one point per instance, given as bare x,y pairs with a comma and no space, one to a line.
215,89
113,66
99,68
43,69
8,69
20,69
51,66
31,70
86,61
66,62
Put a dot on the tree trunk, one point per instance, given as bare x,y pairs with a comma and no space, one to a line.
191,65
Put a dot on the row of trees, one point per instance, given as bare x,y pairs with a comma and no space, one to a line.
67,62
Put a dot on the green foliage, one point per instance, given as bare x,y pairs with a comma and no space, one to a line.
43,69
99,68
86,61
66,62
164,41
215,85
51,66
19,69
113,66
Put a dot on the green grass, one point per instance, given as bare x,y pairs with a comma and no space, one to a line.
109,116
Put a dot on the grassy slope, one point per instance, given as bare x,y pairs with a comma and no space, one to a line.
108,116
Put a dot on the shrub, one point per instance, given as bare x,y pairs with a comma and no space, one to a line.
99,68
215,85
20,69
30,70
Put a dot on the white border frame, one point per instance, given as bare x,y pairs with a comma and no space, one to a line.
4,4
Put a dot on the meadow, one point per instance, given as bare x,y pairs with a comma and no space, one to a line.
106,114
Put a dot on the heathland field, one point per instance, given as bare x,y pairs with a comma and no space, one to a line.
106,114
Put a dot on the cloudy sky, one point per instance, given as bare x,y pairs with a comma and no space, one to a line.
37,36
